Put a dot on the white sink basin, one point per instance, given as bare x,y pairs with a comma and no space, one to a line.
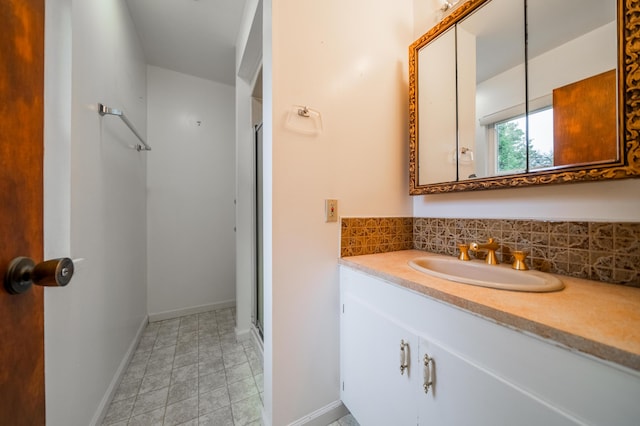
476,272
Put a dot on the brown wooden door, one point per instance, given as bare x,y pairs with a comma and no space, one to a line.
22,399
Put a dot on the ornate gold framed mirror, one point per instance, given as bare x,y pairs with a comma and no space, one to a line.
512,93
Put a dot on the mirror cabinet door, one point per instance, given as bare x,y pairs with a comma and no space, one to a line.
491,90
572,82
437,110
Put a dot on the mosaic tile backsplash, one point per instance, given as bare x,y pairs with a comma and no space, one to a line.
601,251
375,235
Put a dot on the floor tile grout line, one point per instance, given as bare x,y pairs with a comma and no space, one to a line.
223,332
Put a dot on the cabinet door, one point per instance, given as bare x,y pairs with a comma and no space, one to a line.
373,387
463,393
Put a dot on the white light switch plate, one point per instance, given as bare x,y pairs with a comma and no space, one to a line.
330,210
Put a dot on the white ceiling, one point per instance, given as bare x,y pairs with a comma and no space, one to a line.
198,37
195,37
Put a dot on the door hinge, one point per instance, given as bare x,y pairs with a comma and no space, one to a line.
343,385
343,308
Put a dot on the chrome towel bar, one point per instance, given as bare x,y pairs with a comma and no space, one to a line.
102,110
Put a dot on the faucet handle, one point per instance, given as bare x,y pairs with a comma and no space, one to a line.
464,252
518,260
491,246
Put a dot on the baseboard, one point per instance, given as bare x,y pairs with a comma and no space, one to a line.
98,417
323,416
265,420
160,316
257,342
242,335
320,417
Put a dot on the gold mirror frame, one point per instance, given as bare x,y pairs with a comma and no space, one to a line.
628,114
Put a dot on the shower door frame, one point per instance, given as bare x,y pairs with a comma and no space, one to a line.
259,227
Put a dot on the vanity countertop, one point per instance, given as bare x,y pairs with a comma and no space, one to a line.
599,319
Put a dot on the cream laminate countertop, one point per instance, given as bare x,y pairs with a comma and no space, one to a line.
602,320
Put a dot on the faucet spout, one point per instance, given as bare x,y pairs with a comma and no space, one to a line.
491,246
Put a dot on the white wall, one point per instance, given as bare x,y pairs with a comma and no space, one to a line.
425,16
191,243
592,201
57,194
96,211
57,169
347,60
245,207
248,61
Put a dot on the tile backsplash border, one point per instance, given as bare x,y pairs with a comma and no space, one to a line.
601,251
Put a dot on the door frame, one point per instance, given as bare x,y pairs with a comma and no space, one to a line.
258,245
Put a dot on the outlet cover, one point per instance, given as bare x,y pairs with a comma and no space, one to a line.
330,210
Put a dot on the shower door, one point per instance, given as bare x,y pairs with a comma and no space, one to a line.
259,317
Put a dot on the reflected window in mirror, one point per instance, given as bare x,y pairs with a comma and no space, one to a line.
509,137
541,139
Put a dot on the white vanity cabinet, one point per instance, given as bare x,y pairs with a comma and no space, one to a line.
467,394
373,384
482,373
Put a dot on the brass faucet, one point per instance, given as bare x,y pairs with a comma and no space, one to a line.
491,246
518,260
464,252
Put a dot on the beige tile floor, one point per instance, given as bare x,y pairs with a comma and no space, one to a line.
347,420
192,371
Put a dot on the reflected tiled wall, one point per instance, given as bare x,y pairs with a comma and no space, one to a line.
601,251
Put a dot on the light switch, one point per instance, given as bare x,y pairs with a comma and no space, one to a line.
330,210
